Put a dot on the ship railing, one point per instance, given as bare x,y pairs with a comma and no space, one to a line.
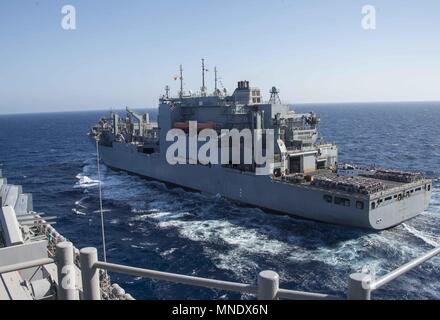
267,287
361,285
109,290
26,265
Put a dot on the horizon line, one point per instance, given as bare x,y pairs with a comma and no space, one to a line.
290,104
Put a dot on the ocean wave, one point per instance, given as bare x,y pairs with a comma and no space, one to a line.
80,204
79,213
103,211
427,238
86,182
168,252
255,234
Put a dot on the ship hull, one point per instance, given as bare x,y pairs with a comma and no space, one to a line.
262,191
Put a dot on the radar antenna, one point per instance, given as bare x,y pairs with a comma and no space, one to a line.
274,96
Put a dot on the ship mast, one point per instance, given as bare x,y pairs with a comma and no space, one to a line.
203,78
181,82
216,79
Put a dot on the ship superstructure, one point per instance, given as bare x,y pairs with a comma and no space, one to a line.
305,178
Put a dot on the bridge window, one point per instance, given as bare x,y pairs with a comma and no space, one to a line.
429,187
373,205
388,198
342,201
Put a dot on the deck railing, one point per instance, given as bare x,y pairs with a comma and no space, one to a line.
267,287
360,285
25,265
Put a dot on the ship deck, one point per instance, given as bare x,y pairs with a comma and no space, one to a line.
349,184
388,184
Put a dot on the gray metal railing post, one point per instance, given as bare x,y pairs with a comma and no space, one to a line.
268,285
358,287
66,272
90,274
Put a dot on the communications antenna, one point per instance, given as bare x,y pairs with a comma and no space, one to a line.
203,78
274,96
181,82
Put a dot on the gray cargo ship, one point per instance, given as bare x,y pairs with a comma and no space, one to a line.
304,180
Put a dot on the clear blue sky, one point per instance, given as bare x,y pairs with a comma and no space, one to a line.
125,52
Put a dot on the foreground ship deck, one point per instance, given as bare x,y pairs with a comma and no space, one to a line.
304,178
32,253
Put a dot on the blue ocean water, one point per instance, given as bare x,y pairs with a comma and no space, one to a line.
149,225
